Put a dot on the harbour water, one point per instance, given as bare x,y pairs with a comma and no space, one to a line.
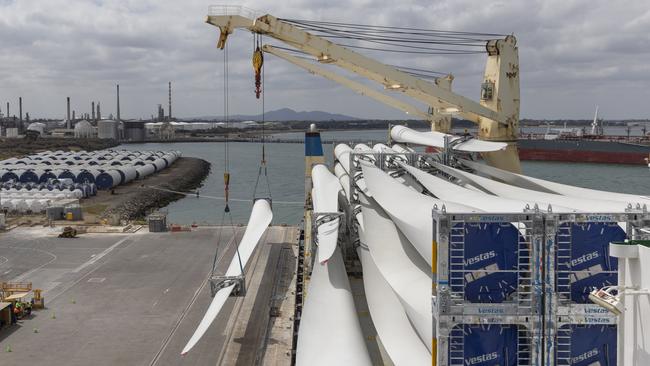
286,177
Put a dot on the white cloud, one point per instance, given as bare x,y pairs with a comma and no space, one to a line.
573,54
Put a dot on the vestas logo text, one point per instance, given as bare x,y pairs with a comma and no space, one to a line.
481,257
482,358
585,356
584,258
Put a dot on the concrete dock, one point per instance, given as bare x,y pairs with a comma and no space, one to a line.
135,299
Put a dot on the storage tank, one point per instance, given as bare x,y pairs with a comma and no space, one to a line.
160,164
87,176
107,129
83,129
108,179
145,170
67,174
128,173
47,175
134,130
29,176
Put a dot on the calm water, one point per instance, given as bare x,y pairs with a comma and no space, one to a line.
286,176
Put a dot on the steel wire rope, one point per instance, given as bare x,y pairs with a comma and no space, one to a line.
367,26
226,174
258,41
446,40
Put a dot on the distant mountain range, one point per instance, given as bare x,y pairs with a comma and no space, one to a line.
286,114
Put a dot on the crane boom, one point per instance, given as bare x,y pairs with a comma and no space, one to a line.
329,52
497,113
357,87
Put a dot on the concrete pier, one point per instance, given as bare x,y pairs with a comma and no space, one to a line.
135,299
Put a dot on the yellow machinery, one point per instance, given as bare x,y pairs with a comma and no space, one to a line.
17,291
496,114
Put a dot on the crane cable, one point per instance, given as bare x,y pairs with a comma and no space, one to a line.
258,65
226,167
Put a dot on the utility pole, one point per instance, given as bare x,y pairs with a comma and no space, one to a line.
20,113
69,122
118,103
170,101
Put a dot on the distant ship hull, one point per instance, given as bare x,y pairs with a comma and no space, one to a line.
583,151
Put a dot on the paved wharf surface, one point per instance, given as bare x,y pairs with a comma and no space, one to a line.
135,299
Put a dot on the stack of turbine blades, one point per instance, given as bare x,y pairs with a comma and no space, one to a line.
325,199
437,139
330,333
409,210
553,187
508,191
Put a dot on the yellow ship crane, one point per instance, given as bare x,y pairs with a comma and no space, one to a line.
497,113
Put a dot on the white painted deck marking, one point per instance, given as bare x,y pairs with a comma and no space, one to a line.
96,257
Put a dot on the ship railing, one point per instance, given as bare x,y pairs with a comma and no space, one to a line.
226,10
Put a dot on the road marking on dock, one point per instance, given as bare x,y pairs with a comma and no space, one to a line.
169,337
96,257
5,260
27,274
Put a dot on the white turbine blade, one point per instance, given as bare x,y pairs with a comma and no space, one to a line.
411,211
563,189
446,190
344,179
329,332
342,153
437,139
393,327
325,198
260,218
401,265
508,191
402,149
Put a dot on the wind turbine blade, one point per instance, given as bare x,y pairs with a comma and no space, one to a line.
342,153
513,192
446,190
437,139
401,265
329,332
325,198
411,211
548,186
261,216
393,327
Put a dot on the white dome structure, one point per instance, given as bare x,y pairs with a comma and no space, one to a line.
83,129
37,126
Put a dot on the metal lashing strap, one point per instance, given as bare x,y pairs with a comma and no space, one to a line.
220,282
320,218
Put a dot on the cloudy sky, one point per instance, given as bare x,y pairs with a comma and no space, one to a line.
573,54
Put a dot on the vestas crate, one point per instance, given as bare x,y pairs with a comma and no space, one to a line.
578,259
488,263
502,343
581,253
487,293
